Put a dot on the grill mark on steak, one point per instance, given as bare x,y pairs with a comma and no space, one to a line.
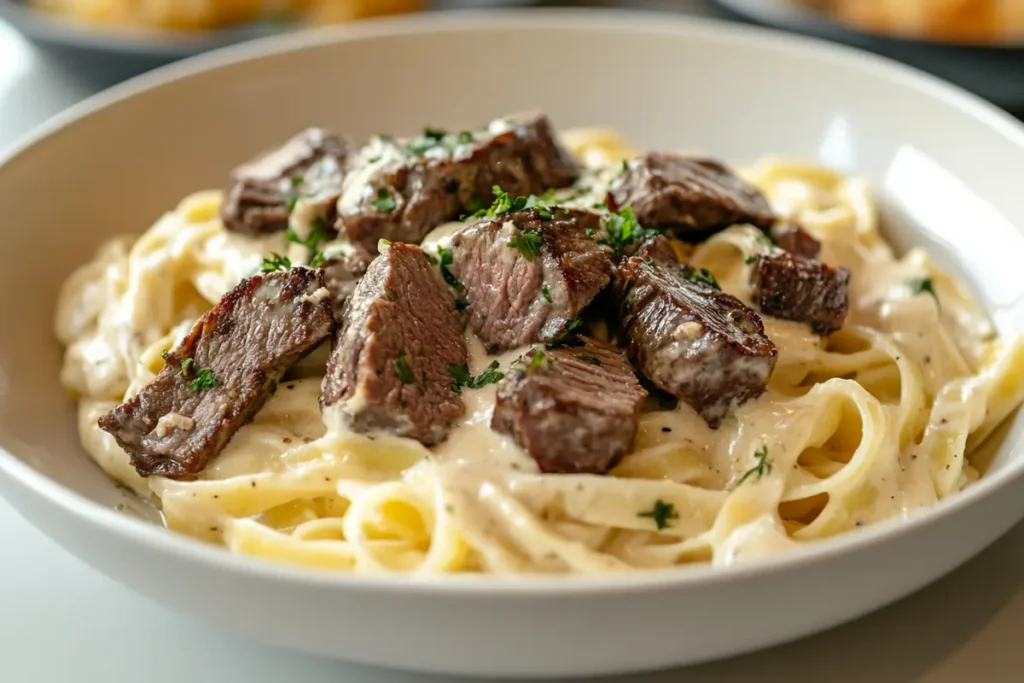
691,196
342,273
401,195
399,333
311,164
518,296
574,410
248,340
690,339
806,290
791,237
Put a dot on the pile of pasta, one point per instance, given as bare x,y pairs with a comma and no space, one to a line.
876,421
210,14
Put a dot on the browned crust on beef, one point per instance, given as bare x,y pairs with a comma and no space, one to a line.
791,237
576,412
689,195
311,165
508,290
691,340
401,309
257,331
788,286
438,187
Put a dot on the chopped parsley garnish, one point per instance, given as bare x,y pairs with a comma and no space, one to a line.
317,234
296,180
623,230
461,304
204,379
317,260
463,378
386,243
762,468
750,260
475,206
600,206
464,138
702,276
589,232
504,204
185,365
590,359
765,241
166,354
925,286
390,294
537,359
528,242
546,292
445,256
402,370
430,259
661,513
384,201
276,262
569,337
428,139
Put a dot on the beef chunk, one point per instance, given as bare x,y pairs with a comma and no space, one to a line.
528,274
342,273
796,288
399,333
404,189
222,373
793,238
311,164
657,248
691,196
690,339
573,408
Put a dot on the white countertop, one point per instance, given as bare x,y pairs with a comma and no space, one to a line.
61,621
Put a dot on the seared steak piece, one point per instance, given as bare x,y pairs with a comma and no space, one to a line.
528,274
690,339
342,273
573,408
222,373
691,196
793,238
796,288
399,333
657,248
404,189
311,164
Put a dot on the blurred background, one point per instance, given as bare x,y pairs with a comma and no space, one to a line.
55,52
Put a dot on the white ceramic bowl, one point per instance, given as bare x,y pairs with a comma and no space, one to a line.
948,166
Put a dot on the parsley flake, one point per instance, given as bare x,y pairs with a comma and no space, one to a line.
166,354
185,365
384,202
702,276
464,138
624,230
534,360
430,259
528,242
276,262
750,260
546,292
317,234
661,513
762,468
925,286
402,370
317,260
463,378
204,379
461,304
445,259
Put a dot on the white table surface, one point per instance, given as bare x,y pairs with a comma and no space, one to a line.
61,621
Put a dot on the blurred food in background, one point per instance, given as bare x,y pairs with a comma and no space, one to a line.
955,21
210,14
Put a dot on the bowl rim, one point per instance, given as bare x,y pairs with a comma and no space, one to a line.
186,549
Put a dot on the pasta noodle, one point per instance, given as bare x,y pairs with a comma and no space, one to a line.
875,421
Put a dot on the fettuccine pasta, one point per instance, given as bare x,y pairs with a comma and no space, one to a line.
875,421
